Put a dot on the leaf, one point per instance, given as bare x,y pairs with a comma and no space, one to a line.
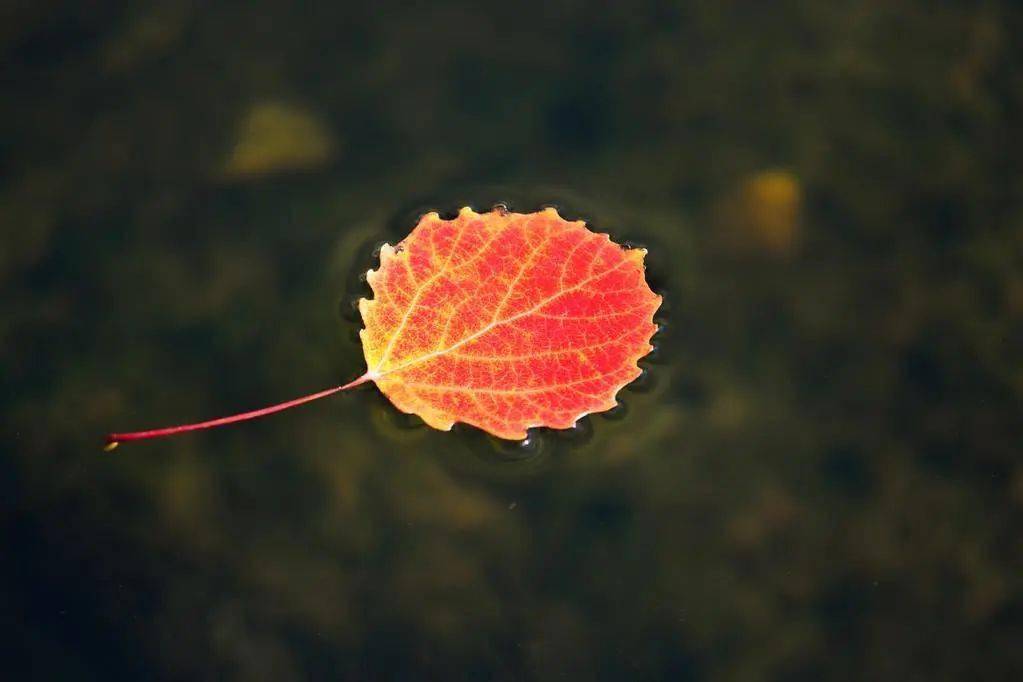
505,321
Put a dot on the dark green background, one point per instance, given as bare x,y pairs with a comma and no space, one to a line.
818,478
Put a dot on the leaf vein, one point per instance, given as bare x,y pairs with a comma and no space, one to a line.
513,391
490,327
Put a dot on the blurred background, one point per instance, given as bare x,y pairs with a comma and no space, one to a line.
818,477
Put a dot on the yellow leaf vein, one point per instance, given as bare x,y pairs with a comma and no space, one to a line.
597,317
485,330
513,391
547,353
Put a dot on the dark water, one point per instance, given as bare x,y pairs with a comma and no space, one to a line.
819,477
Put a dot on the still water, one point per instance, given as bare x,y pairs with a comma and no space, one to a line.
817,477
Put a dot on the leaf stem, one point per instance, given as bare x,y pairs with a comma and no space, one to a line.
113,439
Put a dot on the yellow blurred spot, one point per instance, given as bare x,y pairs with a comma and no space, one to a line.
763,213
111,446
275,137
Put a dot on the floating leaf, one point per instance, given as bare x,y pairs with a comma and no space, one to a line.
504,321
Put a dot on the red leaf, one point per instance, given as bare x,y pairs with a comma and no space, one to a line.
506,321
503,320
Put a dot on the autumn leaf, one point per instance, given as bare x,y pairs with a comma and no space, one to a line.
505,321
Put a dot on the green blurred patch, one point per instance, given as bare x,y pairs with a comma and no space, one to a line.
278,137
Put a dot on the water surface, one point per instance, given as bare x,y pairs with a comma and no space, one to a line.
818,477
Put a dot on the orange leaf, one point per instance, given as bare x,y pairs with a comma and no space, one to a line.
505,321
